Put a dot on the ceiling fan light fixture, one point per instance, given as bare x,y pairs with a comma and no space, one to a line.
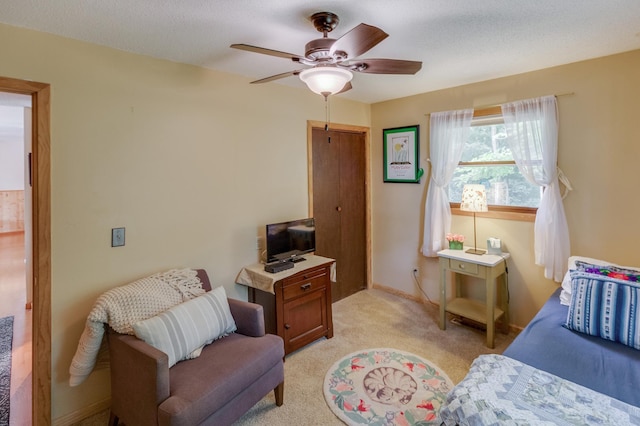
326,81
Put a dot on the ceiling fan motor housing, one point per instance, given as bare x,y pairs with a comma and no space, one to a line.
318,50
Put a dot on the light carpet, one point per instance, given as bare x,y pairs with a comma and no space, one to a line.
368,319
386,386
6,341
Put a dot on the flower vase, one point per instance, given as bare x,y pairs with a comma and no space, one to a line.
455,245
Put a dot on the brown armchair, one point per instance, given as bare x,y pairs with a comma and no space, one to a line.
230,376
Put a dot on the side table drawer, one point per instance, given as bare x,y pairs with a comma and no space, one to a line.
464,267
300,286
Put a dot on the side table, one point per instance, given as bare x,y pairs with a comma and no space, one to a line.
486,266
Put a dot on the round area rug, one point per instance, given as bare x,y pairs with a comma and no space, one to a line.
385,387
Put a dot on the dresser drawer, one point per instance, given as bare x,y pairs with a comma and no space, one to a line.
303,276
463,267
293,287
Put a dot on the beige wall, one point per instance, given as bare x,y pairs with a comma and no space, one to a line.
184,157
599,150
192,162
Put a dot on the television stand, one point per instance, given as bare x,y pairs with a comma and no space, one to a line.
296,302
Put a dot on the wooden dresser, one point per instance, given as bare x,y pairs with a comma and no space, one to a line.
296,302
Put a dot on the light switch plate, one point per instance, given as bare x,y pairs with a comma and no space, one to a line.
117,237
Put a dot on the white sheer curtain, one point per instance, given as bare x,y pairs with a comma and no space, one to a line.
532,134
448,133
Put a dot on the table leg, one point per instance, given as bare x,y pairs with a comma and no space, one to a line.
505,303
491,291
443,295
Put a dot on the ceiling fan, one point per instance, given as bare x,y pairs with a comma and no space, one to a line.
332,61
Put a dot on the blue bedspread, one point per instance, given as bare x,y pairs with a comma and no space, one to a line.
604,366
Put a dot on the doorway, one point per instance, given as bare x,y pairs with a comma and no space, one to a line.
15,244
40,241
339,198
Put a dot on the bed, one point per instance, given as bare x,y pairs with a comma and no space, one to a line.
576,362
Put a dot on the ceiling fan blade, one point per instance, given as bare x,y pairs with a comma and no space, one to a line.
277,77
385,66
346,87
359,40
270,52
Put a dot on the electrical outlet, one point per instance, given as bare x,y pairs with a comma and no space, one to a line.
117,237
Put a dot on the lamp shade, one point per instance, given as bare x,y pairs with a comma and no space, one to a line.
326,81
474,199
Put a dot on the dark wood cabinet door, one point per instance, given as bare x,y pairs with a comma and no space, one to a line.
339,206
305,320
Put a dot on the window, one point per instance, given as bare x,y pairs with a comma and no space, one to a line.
487,160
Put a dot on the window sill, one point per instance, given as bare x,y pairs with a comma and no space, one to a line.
528,215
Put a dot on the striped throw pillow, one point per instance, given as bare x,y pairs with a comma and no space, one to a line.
605,307
183,330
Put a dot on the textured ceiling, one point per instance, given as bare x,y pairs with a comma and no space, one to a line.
458,41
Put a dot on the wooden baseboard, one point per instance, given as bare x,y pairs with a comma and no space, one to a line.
399,293
83,413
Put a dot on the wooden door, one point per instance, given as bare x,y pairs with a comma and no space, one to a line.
339,206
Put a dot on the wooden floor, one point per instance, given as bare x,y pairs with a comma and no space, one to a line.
13,302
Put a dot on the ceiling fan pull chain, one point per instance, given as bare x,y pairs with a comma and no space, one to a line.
327,112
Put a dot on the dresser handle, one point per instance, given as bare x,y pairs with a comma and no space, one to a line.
287,326
305,287
461,266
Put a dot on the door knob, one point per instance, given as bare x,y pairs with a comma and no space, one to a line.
287,326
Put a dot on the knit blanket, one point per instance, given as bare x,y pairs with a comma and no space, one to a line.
123,306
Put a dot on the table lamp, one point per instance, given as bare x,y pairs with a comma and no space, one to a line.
474,199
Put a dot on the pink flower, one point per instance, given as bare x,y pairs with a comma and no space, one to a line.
355,367
430,417
362,407
433,383
401,420
341,387
426,405
455,237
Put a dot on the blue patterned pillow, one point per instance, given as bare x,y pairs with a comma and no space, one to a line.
605,307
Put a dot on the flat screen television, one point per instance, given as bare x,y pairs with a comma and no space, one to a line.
288,241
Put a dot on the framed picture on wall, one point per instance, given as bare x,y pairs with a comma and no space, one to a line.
401,154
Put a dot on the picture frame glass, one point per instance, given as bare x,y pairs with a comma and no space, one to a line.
401,154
